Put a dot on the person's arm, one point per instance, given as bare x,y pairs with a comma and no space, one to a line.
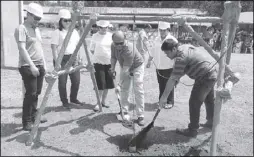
55,44
177,73
92,44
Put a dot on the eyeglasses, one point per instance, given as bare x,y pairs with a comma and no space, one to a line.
121,43
66,20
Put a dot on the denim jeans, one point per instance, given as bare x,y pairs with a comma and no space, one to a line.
202,91
136,81
163,82
33,86
62,81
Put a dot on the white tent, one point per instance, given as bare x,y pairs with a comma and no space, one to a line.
246,18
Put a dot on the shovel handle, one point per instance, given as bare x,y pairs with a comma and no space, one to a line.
156,114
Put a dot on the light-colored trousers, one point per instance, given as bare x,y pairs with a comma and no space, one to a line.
136,82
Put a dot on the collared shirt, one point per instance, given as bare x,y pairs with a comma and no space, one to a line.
160,58
32,37
140,42
101,45
192,61
127,56
58,36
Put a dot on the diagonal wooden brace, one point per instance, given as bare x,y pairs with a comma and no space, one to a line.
228,71
51,83
65,42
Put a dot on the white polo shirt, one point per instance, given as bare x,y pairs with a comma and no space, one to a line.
58,36
160,58
101,45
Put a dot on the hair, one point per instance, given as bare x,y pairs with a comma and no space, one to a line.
169,44
60,24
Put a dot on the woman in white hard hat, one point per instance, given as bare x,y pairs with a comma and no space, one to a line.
56,43
164,64
100,47
32,65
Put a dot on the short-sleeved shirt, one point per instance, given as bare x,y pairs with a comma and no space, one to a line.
160,58
101,45
127,56
192,61
58,36
140,42
32,37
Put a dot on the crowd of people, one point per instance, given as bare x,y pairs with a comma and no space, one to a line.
171,59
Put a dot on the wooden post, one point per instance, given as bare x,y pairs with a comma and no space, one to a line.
50,85
227,17
232,29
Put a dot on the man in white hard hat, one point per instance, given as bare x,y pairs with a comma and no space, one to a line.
132,70
32,65
164,65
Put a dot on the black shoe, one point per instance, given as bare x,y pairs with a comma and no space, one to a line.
187,132
28,126
207,124
103,105
77,102
67,106
141,121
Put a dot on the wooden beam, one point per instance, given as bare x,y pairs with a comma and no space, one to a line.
156,18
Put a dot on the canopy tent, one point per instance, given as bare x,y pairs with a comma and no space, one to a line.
246,18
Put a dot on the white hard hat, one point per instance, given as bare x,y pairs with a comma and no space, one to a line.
64,13
102,23
35,9
164,25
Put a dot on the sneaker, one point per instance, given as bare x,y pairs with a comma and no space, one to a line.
77,102
28,126
141,121
168,105
207,124
103,105
187,132
96,108
67,106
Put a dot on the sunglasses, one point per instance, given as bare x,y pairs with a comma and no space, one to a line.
121,43
66,20
36,18
102,27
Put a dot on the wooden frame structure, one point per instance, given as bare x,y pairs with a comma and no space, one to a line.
223,90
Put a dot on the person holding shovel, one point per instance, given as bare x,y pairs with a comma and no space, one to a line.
32,65
56,43
198,65
131,72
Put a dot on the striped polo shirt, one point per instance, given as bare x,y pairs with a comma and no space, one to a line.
127,56
192,61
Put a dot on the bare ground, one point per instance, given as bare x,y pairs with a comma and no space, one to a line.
81,132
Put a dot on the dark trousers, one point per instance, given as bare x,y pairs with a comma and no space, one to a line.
162,83
202,91
33,86
62,81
